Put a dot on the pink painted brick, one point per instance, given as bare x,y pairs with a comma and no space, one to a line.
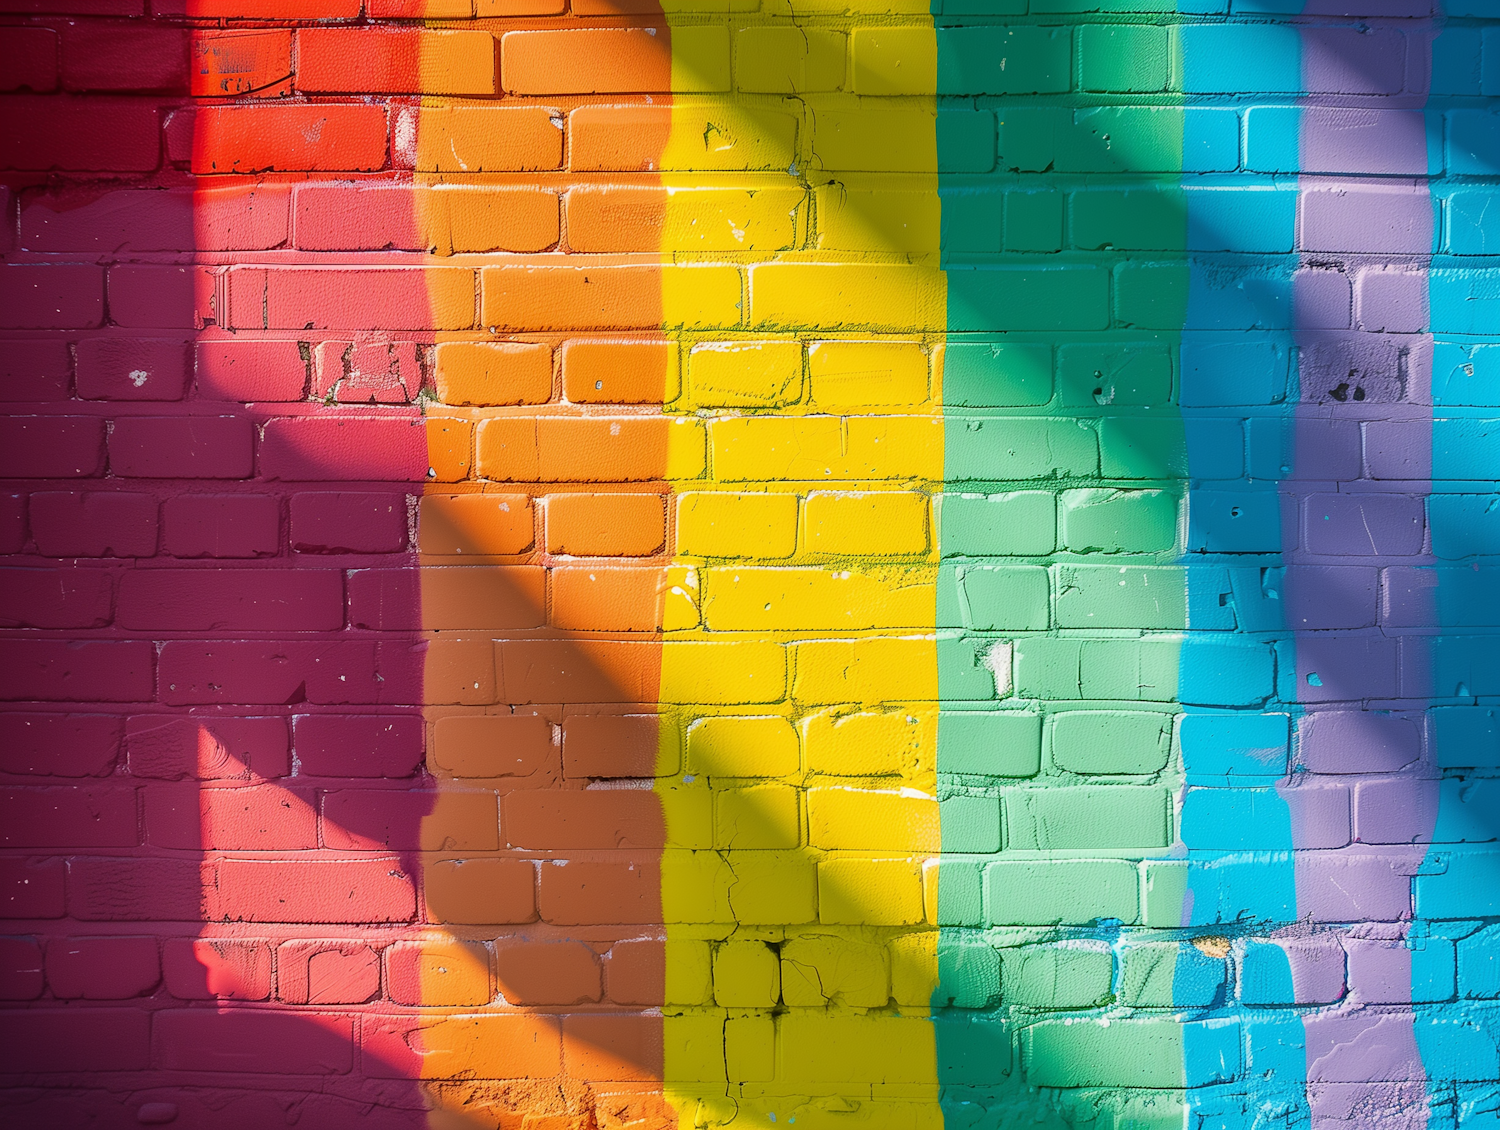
348,522
341,447
94,523
69,816
173,748
55,598
318,972
138,889
368,819
102,969
162,297
78,671
122,368
260,600
31,888
59,745
221,525
51,447
313,890
34,371
36,296
253,673
85,1039
253,818
182,447
254,1040
21,977
248,371
216,969
358,745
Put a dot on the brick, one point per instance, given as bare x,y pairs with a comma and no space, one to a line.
21,977
216,969
250,600
472,525
203,447
229,63
250,370
619,372
93,524
613,1048
788,60
473,139
61,671
101,134
615,599
493,745
546,973
614,745
609,818
348,522
355,891
499,373
881,524
1056,976
590,449
102,968
715,524
1068,890
34,371
489,1046
390,298
586,893
430,821
876,892
131,369
85,1039
480,891
405,61
590,61
326,973
379,449
70,816
743,747
254,1040
605,525
256,818
451,597
100,56
28,59
59,745
438,973
51,296
32,888
607,298
154,220
322,138
172,748
137,890
358,745
329,673
166,297
48,598
12,522
223,525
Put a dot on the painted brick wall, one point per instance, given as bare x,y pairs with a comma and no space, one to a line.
750,563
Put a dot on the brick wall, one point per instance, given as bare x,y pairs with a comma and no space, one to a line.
633,565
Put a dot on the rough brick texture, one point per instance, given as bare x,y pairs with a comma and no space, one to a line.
620,565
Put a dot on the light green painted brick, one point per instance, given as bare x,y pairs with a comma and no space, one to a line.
1117,521
960,893
1087,816
991,598
993,374
1120,596
968,973
1056,976
1020,523
1170,974
1131,374
964,672
1111,741
1010,448
1129,1053
1050,891
993,743
1165,892
1131,59
970,824
1143,670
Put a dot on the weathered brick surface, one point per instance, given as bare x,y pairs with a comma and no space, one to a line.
528,592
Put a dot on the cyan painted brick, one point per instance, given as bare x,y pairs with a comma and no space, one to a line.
1123,375
1224,673
1457,1052
1236,819
1019,523
1464,449
999,743
1455,61
1157,296
1473,220
1110,741
1049,891
1241,58
1463,666
1291,971
1235,521
970,824
993,374
1117,521
1466,736
1050,976
1466,373
1126,58
1220,373
1260,219
968,973
1467,301
993,597
1086,817
1224,749
1012,448
1003,60
1479,965
1473,142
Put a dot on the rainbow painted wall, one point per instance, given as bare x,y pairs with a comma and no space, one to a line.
618,565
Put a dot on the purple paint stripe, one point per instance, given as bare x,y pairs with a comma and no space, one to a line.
1368,788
